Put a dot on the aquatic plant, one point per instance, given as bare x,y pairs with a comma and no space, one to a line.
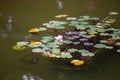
81,41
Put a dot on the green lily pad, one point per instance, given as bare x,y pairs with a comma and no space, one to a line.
118,43
37,50
103,41
56,51
100,46
118,50
22,43
104,34
113,13
66,55
108,47
42,29
85,17
90,54
82,51
59,27
101,30
94,18
67,41
71,18
72,50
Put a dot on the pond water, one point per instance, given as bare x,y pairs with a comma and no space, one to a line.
18,16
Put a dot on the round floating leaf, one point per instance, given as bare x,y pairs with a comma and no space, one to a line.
22,43
90,54
59,27
34,45
71,18
99,46
47,39
82,50
46,24
118,50
67,41
72,50
77,62
83,39
103,41
56,51
83,23
80,27
86,36
53,45
108,47
66,55
75,36
94,18
83,32
113,13
118,43
101,30
71,33
33,30
70,38
37,50
42,29
18,47
110,21
88,44
85,17
104,34
76,43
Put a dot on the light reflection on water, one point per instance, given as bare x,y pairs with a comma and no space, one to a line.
32,13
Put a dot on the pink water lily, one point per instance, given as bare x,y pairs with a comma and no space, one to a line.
59,38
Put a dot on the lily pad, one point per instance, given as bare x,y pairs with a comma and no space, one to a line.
108,47
42,29
22,43
66,55
76,43
37,50
71,18
103,41
18,47
87,54
118,43
100,46
118,50
67,41
88,44
113,13
72,50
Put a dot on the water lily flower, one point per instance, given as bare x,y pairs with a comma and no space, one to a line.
59,38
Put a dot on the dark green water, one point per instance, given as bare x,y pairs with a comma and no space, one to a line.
32,13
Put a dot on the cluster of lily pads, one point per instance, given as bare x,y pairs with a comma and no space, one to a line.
81,41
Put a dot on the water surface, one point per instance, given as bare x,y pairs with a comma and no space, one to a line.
26,14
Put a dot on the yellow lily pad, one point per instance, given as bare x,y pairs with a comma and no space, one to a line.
77,62
15,47
33,30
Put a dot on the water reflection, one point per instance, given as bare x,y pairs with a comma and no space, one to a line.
29,76
91,4
0,13
8,28
60,4
27,37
